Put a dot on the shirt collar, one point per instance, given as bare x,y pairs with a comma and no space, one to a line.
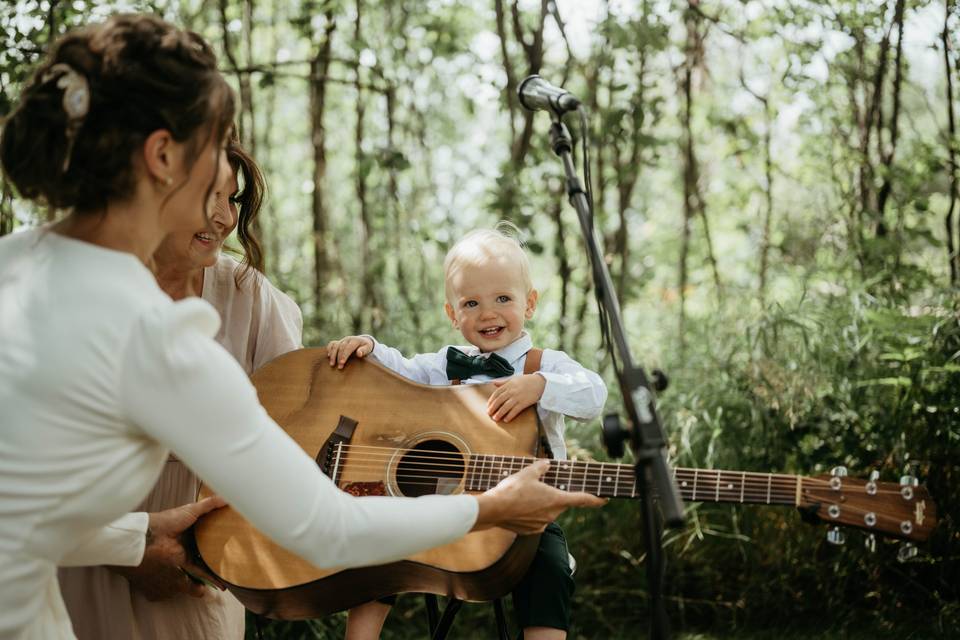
516,349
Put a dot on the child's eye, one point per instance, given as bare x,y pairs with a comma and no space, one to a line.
235,199
503,298
470,303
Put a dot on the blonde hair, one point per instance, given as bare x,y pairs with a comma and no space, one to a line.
480,245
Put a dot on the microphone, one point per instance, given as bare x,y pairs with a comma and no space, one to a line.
537,94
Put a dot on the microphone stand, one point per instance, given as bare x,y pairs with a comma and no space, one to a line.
652,474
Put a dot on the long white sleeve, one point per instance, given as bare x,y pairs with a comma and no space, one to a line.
571,389
184,390
120,543
425,368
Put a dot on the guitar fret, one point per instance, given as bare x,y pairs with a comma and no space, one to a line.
572,464
769,481
696,476
600,481
743,483
583,483
468,482
616,486
717,492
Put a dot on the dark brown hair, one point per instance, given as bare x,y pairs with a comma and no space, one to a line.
248,200
143,74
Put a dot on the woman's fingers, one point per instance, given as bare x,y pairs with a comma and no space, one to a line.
584,500
201,576
208,504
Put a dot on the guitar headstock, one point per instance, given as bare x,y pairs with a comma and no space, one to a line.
903,510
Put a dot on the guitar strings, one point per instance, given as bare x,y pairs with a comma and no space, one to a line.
850,516
751,491
884,521
430,455
709,477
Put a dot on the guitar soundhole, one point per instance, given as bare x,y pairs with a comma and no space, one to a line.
433,466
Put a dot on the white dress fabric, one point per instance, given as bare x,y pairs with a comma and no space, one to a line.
258,323
101,376
571,390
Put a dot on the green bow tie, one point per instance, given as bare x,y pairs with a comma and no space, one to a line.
460,366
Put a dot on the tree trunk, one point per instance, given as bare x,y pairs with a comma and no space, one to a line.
953,260
369,310
888,156
563,268
318,102
245,115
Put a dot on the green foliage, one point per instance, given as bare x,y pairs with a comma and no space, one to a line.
847,354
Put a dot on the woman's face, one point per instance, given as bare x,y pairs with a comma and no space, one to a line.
199,245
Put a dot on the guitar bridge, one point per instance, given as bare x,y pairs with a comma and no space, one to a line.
330,456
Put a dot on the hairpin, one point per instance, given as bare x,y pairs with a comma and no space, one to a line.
76,102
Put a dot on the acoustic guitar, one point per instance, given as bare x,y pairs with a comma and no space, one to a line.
376,433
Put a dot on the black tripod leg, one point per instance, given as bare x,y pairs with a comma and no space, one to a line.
502,631
446,621
433,612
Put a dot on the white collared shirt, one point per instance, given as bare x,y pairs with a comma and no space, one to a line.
571,390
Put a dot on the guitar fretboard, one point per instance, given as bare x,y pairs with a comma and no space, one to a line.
615,480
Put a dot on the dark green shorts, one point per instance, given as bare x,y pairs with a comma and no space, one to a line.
542,599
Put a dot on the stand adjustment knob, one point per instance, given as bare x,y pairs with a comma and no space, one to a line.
613,435
660,380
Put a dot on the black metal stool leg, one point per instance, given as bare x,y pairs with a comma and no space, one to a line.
446,620
440,625
433,612
502,630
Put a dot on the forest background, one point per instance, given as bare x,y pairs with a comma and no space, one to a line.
776,191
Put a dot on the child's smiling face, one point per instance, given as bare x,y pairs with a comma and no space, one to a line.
489,303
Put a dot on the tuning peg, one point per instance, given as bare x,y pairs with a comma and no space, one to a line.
870,543
837,472
835,536
907,483
871,486
907,551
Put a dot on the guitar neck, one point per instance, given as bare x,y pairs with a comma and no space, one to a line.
614,480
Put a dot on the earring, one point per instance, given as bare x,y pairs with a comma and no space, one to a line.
165,182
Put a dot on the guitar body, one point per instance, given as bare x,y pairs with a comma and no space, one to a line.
405,422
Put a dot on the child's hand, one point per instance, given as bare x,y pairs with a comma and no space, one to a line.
515,395
339,351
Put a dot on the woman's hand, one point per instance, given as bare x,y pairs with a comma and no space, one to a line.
523,504
339,351
166,569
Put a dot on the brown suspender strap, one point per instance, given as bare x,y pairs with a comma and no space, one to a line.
532,364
